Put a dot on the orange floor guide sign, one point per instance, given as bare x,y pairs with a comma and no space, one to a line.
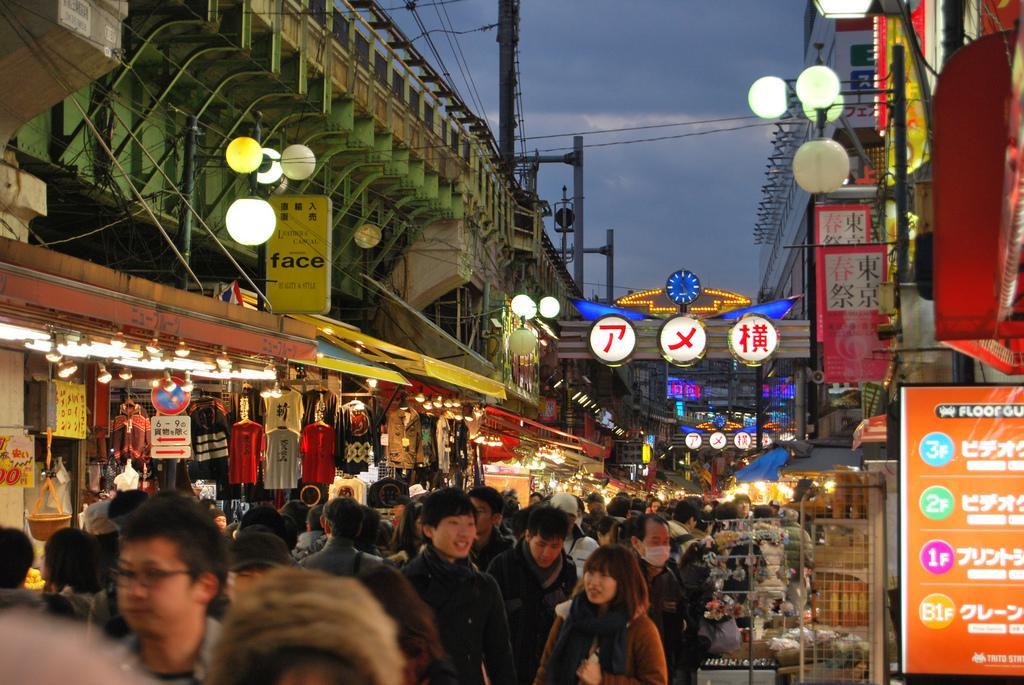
962,530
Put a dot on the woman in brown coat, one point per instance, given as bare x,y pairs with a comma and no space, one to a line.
603,636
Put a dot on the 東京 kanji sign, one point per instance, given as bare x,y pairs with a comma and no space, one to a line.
753,339
612,340
682,340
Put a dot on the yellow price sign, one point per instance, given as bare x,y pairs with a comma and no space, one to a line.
299,255
70,414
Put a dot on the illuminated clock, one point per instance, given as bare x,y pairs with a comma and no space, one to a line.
683,287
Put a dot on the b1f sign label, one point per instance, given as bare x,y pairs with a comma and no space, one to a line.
299,255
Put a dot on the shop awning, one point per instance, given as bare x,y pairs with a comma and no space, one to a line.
332,357
48,288
382,352
824,459
873,429
506,421
766,467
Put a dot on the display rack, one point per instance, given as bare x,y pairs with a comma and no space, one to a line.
845,642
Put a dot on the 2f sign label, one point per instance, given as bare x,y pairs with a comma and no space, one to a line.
299,255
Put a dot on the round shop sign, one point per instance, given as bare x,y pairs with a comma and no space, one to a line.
612,340
173,402
717,440
682,340
694,441
742,440
753,339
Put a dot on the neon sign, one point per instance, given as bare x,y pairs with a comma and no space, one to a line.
680,389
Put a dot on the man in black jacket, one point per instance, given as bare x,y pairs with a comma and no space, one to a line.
535,576
490,540
342,520
467,603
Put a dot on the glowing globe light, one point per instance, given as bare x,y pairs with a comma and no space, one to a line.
831,114
244,155
549,307
273,172
768,97
367,236
821,166
250,221
298,162
523,306
522,342
817,87
843,9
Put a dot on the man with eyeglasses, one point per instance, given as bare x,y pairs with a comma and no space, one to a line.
173,565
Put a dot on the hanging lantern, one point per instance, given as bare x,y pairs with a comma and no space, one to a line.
244,155
831,114
817,87
298,162
250,221
270,167
821,166
768,97
524,306
549,307
522,342
367,236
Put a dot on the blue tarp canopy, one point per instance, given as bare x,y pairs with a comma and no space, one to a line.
765,467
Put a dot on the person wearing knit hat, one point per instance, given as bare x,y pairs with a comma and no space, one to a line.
252,555
577,545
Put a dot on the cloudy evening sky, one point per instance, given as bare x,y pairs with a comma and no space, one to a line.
598,64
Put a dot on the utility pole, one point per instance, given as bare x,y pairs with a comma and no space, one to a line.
508,39
188,182
608,250
574,158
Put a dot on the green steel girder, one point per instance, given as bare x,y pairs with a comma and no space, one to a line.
196,54
395,236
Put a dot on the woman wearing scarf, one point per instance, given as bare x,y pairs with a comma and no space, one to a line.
603,635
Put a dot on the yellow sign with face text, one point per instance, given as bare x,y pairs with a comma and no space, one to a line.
299,255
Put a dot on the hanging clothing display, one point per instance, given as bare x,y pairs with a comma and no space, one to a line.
320,405
442,442
428,428
317,450
281,470
284,411
405,439
210,429
248,440
356,438
129,433
352,488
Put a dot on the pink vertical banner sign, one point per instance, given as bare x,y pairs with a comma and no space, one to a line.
849,274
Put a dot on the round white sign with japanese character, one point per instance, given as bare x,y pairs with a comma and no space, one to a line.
693,441
753,339
682,340
717,440
742,441
612,340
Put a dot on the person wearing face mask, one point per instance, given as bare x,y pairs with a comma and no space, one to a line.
649,538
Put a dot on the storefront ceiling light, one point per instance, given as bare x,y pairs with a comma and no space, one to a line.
84,349
125,374
103,375
244,374
66,368
153,347
119,341
9,332
182,349
188,385
174,364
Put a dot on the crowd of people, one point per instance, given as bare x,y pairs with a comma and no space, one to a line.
468,588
